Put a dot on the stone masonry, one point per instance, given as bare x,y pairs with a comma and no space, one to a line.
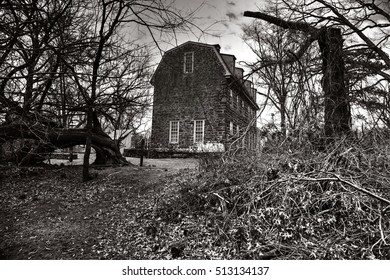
195,82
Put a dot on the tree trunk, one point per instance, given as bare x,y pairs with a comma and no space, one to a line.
283,126
337,109
88,143
106,149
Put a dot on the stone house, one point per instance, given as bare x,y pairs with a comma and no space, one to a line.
201,97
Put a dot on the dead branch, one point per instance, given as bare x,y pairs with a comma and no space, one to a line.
338,179
301,26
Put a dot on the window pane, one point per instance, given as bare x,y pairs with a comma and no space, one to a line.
198,131
174,132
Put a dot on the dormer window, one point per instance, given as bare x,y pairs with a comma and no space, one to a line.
188,62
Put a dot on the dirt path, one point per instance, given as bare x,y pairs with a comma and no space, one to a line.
47,213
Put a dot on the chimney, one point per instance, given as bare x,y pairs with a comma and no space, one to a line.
239,72
248,86
230,61
254,92
218,47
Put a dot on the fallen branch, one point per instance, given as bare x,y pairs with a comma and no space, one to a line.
338,179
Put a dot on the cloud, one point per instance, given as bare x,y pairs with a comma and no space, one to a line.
231,3
232,16
227,47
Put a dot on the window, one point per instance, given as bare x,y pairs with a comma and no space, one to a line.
238,129
198,131
174,132
231,128
188,62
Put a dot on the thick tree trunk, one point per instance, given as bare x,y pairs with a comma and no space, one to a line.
107,151
337,108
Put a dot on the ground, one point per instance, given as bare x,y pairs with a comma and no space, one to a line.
47,213
277,205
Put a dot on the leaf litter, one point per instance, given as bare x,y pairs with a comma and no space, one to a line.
300,204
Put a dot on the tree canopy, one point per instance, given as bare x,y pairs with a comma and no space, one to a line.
68,68
365,29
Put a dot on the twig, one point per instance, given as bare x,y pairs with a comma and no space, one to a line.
220,197
386,209
381,230
338,179
113,173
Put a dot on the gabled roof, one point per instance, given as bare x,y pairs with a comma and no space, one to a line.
215,48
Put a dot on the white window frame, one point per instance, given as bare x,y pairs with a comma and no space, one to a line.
185,62
195,131
170,132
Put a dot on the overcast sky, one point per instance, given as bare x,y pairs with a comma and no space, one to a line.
223,18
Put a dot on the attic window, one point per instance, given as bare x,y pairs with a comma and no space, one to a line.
188,62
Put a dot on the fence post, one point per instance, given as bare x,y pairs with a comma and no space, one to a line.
141,162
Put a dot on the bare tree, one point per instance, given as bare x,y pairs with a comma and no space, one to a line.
288,84
65,57
365,28
337,110
126,99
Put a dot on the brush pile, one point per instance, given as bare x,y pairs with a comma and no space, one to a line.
290,202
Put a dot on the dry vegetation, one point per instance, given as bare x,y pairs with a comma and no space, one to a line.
290,202
293,202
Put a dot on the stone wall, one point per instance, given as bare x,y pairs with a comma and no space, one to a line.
186,97
203,94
